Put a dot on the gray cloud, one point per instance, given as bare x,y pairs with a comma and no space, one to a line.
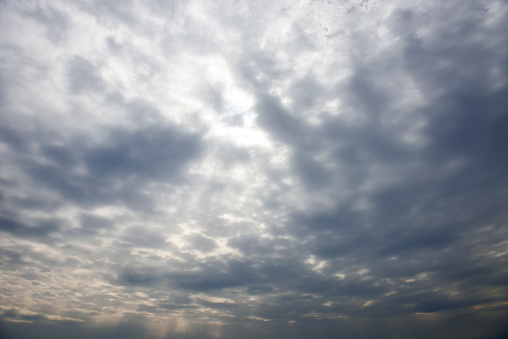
83,76
195,170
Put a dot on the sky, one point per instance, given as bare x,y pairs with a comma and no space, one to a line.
246,169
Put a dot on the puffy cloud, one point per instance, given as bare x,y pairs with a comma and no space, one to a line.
226,169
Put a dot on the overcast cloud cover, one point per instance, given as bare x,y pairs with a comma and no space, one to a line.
247,169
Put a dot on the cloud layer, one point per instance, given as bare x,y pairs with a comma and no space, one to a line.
309,169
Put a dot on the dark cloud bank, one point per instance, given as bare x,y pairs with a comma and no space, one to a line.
376,207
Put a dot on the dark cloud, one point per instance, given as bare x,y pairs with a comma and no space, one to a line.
201,243
153,152
40,326
115,168
43,229
55,21
139,236
138,278
316,170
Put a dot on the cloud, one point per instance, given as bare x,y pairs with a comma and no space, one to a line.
216,170
82,76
